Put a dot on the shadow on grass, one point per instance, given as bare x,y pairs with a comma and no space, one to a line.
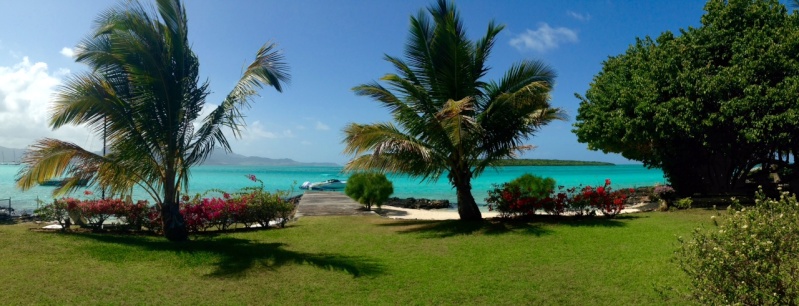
531,226
234,256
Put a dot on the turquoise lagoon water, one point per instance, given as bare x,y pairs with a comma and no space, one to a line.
233,178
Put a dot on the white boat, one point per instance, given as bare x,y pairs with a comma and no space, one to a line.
332,184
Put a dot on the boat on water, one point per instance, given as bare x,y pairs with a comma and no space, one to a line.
331,184
62,182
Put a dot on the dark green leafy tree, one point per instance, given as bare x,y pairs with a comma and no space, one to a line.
707,105
144,95
447,118
369,188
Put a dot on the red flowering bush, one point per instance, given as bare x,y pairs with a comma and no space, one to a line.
513,201
525,195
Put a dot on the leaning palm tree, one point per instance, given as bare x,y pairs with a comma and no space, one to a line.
448,120
144,94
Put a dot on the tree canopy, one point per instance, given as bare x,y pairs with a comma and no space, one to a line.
706,105
448,118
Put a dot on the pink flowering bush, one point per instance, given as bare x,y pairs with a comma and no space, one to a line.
97,211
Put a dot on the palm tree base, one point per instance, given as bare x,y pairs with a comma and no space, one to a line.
174,225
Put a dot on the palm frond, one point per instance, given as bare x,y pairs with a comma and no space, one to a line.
54,159
391,150
268,69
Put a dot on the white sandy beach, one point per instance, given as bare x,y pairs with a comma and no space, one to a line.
446,214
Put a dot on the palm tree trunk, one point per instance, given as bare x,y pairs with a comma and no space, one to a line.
467,206
174,224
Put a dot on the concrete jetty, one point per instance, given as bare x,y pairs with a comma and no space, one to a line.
329,203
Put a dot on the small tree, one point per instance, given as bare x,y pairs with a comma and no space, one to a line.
369,188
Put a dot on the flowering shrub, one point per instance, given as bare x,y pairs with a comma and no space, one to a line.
132,214
664,192
152,219
57,211
97,211
748,259
524,195
514,201
265,206
250,206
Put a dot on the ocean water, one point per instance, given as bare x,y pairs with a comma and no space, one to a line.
233,178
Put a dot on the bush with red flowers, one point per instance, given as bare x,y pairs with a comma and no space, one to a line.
529,195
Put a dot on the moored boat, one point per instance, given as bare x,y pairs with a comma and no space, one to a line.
331,184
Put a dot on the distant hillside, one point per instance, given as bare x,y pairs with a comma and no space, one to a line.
551,162
220,158
9,155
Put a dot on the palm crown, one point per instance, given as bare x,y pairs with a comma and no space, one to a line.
447,118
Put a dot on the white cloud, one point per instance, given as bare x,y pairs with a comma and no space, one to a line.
581,17
26,90
255,131
321,126
544,38
305,142
68,52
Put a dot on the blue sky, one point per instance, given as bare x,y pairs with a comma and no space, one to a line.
330,46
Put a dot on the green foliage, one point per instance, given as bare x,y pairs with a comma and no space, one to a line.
705,105
533,185
749,258
447,117
369,188
683,203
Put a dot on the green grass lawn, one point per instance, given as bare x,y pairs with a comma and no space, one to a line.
357,260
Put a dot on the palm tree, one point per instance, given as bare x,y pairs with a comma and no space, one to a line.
144,91
448,119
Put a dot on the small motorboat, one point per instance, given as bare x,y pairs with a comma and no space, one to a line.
62,182
332,184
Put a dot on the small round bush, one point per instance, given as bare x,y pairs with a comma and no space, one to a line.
533,185
750,258
369,188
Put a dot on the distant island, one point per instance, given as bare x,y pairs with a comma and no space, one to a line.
9,156
550,162
220,158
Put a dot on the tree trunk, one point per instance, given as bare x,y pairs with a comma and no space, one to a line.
174,225
467,207
173,222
